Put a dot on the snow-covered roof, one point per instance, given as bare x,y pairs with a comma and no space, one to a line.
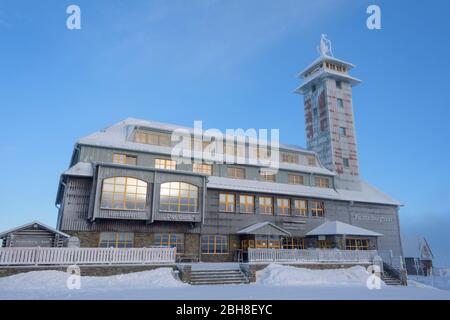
81,169
368,194
325,58
27,225
341,228
118,137
326,73
266,225
416,247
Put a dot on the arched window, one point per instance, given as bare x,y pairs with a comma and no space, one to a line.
178,197
124,193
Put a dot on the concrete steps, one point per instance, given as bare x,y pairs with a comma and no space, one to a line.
211,277
389,280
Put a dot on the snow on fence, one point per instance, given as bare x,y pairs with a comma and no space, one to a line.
85,256
310,256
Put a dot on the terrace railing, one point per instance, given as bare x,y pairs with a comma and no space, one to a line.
85,256
310,256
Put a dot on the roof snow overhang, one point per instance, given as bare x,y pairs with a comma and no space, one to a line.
40,224
264,228
329,228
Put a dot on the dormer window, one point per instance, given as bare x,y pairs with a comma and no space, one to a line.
152,137
122,158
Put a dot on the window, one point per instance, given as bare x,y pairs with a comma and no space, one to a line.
289,157
236,173
324,244
214,244
226,202
124,193
202,168
246,204
315,112
356,244
346,162
171,240
311,161
262,241
178,197
116,240
152,137
338,84
265,205
293,243
283,206
295,179
342,132
321,182
300,208
340,103
165,164
317,209
313,88
267,176
124,159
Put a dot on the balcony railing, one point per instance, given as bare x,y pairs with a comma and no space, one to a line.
311,256
85,256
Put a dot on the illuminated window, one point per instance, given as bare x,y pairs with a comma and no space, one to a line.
357,244
265,205
290,157
293,243
165,164
283,206
202,168
214,244
124,159
324,244
226,202
300,208
152,137
311,160
116,240
321,182
267,176
262,241
295,179
317,209
171,240
246,204
236,173
124,193
178,197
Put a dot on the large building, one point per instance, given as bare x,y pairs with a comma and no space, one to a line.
125,189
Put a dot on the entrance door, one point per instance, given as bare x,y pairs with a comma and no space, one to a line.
324,244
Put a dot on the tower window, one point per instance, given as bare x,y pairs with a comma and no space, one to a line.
315,112
340,103
346,162
342,131
313,88
338,84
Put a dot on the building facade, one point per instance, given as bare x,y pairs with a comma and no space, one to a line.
124,188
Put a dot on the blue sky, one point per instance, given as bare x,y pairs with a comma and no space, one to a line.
231,64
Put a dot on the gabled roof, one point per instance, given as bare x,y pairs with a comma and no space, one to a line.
28,225
264,228
340,228
416,247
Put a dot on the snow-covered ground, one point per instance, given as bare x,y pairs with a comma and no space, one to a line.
274,282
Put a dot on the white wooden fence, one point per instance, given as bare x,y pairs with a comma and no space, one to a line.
85,256
310,256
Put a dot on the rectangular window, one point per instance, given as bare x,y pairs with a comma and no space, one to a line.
152,137
262,241
165,164
346,162
324,244
214,244
265,205
300,208
267,176
283,206
236,173
293,243
116,240
171,240
357,244
317,209
321,182
342,132
340,103
226,202
202,168
295,179
311,161
121,158
246,204
338,84
289,157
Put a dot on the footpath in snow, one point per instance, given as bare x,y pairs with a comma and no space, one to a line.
274,282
